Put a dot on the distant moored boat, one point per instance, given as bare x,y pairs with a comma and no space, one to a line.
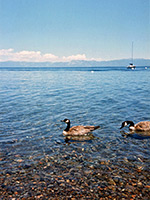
131,65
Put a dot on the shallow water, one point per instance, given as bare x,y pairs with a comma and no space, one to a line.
35,100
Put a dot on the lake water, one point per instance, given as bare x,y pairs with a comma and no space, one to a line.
35,100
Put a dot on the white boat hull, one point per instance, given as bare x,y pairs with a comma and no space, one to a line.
131,66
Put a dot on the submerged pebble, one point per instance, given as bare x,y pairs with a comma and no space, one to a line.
96,180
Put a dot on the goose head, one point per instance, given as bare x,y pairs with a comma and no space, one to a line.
67,121
126,123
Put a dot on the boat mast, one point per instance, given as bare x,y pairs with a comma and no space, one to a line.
132,53
131,65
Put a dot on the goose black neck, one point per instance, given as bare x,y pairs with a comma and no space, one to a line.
68,127
130,123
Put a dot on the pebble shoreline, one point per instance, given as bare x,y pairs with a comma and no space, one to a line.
74,178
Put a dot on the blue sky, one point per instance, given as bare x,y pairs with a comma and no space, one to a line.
63,30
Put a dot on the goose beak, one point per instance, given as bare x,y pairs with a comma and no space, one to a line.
121,127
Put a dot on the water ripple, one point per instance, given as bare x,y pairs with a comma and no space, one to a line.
33,103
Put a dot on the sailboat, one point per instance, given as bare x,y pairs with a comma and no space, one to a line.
131,65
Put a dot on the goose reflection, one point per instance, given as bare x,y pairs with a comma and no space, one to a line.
136,134
79,138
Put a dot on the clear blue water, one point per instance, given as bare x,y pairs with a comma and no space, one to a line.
33,101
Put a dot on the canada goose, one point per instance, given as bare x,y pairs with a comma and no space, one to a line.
77,130
141,126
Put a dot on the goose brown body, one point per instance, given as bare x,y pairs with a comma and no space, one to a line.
78,130
140,126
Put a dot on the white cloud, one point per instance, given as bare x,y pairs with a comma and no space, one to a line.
28,56
5,51
37,56
95,59
75,57
50,56
80,57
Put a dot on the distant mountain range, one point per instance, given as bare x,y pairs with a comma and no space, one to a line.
78,63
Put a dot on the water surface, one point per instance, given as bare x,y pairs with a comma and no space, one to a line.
35,100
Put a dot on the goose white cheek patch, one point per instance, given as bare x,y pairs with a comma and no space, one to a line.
125,124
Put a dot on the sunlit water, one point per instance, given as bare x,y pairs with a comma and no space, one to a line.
35,100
